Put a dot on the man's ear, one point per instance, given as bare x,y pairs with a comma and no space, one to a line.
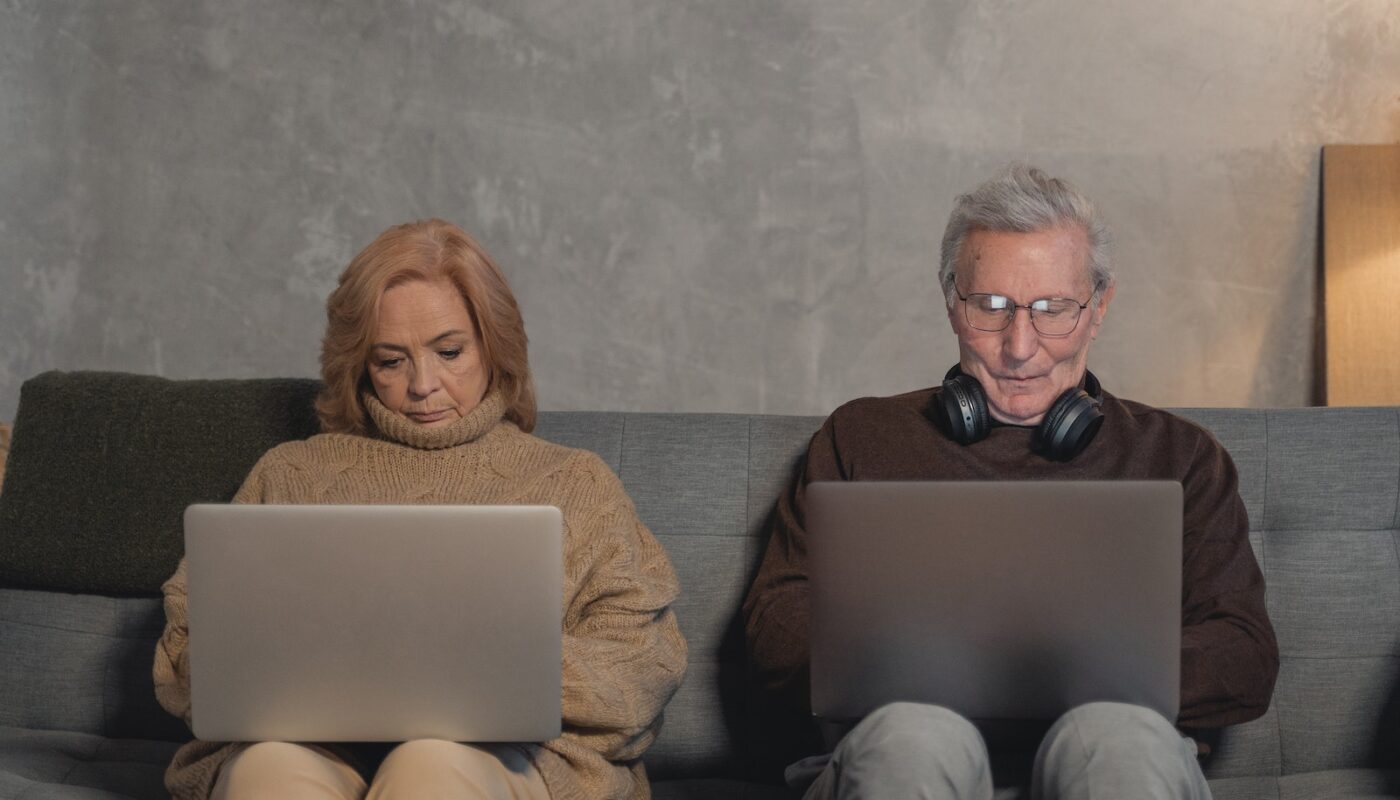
1101,308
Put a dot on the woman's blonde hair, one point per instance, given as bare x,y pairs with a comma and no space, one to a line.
429,250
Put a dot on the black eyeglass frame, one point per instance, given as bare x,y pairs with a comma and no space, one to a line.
1027,306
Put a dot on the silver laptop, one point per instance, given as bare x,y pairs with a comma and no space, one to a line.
1002,600
374,623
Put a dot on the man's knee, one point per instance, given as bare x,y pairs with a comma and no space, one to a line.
915,745
914,727
1115,750
1113,726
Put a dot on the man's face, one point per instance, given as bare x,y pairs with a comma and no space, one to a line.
1024,371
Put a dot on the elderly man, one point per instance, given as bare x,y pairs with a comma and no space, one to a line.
1027,281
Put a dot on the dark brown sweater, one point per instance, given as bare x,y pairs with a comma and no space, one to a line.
1229,657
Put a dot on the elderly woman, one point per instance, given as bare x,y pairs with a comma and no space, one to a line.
428,399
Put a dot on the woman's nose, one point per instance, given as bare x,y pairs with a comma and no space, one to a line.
425,379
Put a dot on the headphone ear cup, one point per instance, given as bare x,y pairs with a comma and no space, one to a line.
1068,426
962,409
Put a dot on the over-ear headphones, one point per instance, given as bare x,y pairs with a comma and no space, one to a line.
1067,428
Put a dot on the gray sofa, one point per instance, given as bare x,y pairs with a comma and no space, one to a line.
103,463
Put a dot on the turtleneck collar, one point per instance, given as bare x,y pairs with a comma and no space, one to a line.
398,428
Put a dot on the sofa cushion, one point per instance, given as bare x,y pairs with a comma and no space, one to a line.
1333,784
82,663
1347,784
1247,788
59,765
1340,783
102,467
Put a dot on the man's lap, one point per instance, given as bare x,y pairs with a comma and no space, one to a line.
926,751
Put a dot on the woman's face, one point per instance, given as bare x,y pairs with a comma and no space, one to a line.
425,360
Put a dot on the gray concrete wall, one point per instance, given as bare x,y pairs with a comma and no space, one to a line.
704,205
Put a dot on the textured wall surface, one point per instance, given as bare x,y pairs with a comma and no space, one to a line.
713,205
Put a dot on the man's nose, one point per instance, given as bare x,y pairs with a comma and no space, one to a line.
1022,340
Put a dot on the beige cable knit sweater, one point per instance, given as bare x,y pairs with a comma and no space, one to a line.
623,654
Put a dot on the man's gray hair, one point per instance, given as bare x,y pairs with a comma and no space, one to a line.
1023,199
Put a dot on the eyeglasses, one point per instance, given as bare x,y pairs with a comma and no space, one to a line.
1051,316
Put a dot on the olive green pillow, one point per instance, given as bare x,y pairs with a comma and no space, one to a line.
103,464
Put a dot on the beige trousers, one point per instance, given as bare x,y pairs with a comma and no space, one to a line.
425,769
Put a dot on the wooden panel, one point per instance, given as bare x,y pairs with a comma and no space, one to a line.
1361,258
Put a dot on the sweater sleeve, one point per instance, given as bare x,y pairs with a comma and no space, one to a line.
777,608
171,670
1229,656
623,653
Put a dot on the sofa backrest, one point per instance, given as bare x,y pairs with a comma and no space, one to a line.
1322,487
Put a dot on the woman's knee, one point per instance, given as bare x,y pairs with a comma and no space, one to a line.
434,767
285,769
419,754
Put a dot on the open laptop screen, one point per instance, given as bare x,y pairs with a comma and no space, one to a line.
374,623
997,599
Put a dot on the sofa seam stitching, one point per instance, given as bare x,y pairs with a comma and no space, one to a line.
72,768
1394,549
621,434
1352,657
748,488
106,711
622,446
1395,516
1268,453
65,629
1263,544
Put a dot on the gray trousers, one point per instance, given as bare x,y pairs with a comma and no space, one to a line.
1098,750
